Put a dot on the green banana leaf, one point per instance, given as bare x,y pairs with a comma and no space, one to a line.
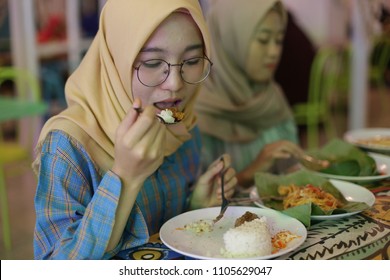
267,188
346,159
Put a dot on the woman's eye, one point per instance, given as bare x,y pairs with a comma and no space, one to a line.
193,61
263,41
154,63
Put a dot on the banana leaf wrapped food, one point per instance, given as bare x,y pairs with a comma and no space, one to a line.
274,190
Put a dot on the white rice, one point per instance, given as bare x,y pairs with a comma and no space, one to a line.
251,239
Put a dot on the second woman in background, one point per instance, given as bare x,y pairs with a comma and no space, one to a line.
241,110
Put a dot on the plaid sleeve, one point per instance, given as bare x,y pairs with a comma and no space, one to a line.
74,219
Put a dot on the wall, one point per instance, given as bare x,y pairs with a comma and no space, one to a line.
325,21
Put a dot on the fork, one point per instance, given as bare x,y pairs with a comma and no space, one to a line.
225,202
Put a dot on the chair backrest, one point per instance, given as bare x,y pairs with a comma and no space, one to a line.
26,87
328,69
380,57
328,77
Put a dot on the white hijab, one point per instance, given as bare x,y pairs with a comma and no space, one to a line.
229,106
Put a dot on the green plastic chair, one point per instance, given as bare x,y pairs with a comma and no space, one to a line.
328,75
380,58
27,87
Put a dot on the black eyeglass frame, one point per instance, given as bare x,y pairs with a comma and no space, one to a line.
177,64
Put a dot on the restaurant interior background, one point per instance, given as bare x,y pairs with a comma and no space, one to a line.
49,37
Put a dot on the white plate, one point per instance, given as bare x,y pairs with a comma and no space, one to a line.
208,245
354,136
382,166
350,191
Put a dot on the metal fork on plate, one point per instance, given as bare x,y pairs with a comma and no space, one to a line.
225,202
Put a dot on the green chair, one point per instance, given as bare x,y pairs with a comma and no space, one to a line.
380,59
327,76
17,150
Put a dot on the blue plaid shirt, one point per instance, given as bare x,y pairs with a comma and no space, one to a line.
75,202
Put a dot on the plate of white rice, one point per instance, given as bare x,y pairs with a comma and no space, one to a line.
193,233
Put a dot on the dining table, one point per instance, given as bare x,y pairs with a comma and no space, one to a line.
13,108
363,236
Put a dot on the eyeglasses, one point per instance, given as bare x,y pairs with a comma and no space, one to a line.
154,72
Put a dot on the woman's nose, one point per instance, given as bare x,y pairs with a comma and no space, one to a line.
174,81
274,49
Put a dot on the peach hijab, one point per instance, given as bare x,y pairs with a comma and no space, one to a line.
99,93
229,106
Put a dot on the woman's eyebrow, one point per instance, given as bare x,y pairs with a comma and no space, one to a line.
194,47
151,49
269,31
156,49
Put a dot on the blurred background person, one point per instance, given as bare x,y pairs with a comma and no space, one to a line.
242,111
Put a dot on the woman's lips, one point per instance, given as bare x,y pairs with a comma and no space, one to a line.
271,66
167,104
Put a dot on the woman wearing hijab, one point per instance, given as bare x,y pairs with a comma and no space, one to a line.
109,172
241,110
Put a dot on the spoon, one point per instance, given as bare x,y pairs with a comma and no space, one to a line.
312,162
349,167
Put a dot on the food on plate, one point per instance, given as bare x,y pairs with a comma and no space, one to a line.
346,159
281,240
200,226
249,239
299,195
247,217
383,141
171,115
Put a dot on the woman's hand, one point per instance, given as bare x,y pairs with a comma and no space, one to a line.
139,145
271,152
207,191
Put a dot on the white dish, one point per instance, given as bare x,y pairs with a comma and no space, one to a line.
350,191
382,166
208,245
356,136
